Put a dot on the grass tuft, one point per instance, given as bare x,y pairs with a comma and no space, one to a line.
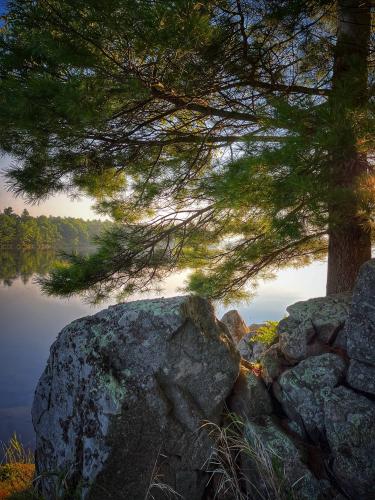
15,453
233,453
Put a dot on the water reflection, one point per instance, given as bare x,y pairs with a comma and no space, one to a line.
29,323
24,265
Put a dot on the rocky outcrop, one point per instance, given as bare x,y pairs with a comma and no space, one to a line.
123,397
328,393
320,377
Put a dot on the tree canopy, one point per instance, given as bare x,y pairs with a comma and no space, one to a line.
231,137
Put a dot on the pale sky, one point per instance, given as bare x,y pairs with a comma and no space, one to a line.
272,296
59,205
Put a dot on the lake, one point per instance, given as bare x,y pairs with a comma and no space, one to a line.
30,322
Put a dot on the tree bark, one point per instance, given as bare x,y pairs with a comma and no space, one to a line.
349,235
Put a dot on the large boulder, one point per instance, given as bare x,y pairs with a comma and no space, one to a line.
350,427
235,324
360,327
312,325
302,390
123,397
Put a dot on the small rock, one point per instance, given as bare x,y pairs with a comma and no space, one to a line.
327,314
235,324
361,376
350,428
302,390
273,364
295,336
249,350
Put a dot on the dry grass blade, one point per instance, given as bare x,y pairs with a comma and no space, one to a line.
156,483
234,443
14,452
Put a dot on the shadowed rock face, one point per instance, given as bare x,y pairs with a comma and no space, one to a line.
249,397
124,394
360,327
350,427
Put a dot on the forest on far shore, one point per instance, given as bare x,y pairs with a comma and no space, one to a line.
42,232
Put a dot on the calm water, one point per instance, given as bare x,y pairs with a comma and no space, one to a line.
30,322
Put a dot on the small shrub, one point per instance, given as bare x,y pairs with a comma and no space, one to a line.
266,334
16,479
17,473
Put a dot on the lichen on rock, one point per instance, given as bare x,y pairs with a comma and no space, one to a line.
129,388
349,420
303,389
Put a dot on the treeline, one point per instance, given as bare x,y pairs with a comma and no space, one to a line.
27,232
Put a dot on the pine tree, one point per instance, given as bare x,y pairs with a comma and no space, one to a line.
231,137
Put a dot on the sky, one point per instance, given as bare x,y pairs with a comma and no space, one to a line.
59,205
3,4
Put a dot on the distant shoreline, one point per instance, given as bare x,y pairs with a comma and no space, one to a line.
24,232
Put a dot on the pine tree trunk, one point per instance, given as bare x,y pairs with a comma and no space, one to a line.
349,237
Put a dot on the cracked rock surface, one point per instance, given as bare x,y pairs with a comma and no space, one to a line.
124,395
312,325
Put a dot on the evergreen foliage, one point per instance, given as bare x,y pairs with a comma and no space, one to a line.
208,130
